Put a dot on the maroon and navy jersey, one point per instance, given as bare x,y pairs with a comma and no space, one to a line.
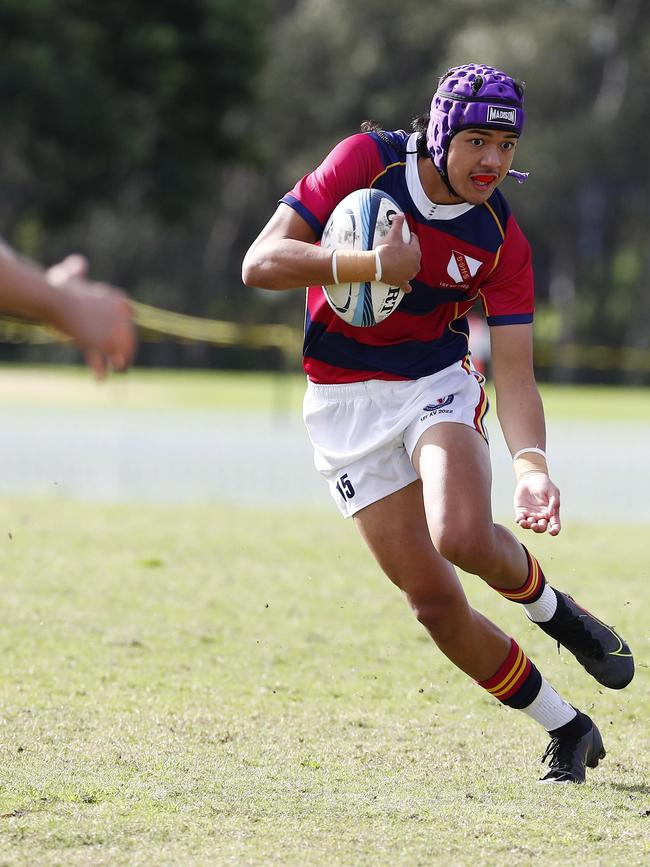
468,253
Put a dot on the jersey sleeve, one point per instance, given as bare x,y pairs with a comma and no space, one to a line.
508,293
351,165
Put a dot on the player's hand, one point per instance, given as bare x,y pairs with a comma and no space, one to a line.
537,504
97,317
400,261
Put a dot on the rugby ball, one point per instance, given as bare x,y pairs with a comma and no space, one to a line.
361,221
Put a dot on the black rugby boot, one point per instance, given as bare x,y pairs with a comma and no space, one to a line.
570,752
596,646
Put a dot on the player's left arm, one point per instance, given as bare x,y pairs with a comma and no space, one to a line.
521,416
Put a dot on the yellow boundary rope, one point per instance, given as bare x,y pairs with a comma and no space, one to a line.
219,333
155,324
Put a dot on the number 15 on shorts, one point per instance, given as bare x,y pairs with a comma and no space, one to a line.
344,487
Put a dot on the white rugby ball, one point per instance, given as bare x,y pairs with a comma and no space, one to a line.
361,221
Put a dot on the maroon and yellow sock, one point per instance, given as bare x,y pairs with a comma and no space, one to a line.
517,682
531,589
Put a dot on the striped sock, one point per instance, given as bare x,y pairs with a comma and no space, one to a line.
519,684
531,589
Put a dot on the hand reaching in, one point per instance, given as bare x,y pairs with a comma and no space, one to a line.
96,316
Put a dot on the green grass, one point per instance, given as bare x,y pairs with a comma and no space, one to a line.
146,389
221,686
597,403
260,392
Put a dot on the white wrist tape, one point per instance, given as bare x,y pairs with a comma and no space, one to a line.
533,449
335,275
378,268
529,461
355,266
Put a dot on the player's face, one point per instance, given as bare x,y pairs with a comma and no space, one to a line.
478,160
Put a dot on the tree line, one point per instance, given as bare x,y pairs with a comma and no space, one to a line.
157,137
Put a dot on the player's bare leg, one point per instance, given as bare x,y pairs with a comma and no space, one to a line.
407,556
453,462
396,531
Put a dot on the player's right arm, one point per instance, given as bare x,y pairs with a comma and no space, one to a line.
285,255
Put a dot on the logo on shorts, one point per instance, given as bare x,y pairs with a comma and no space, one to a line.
442,401
498,114
462,268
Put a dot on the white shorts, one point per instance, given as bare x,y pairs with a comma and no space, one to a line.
364,433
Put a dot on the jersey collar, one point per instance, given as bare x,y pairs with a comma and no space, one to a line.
429,210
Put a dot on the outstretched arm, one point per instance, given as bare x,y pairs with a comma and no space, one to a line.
521,415
97,317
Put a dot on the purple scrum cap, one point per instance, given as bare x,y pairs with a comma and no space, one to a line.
473,95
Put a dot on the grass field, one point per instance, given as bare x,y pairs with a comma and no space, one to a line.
211,685
218,686
186,390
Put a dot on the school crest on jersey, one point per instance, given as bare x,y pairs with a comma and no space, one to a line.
462,268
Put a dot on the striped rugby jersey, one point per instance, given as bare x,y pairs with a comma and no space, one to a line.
469,253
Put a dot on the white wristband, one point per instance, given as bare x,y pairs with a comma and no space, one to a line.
378,268
525,451
335,275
